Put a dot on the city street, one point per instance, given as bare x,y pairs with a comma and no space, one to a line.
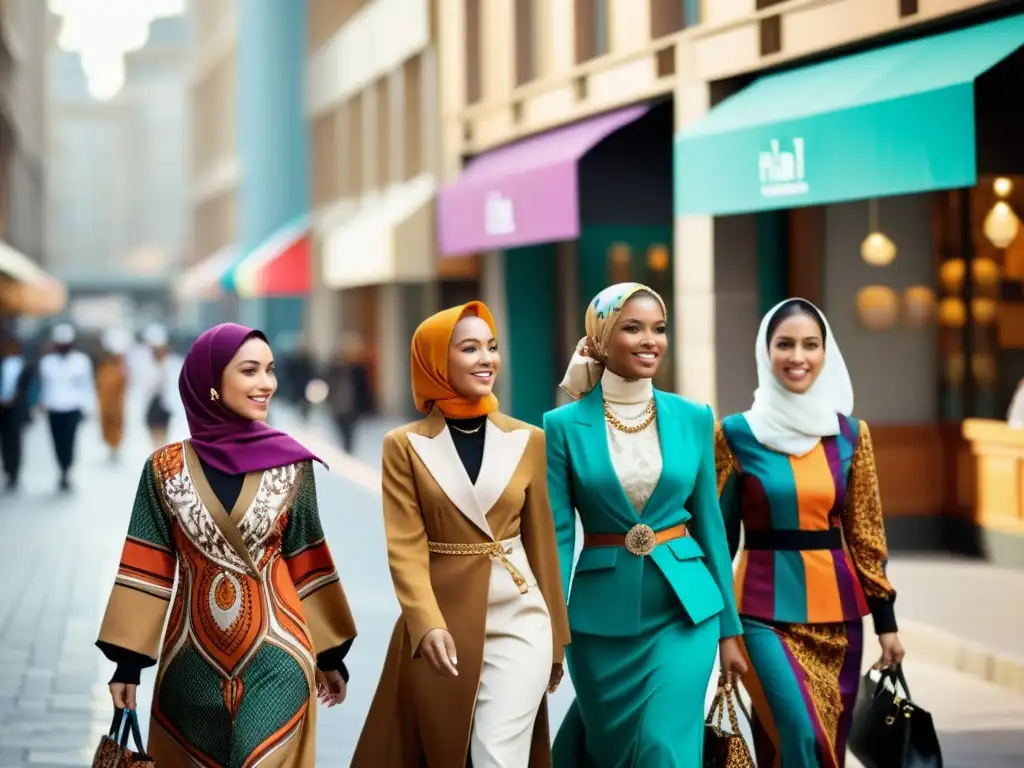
61,553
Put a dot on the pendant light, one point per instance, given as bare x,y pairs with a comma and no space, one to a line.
1001,224
877,249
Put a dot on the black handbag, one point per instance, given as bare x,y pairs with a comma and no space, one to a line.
889,730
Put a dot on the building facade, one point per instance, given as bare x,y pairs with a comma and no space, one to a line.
25,289
215,170
373,110
26,176
117,220
748,112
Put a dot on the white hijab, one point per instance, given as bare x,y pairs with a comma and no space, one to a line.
794,423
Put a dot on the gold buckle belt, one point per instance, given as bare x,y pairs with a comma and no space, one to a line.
491,549
640,540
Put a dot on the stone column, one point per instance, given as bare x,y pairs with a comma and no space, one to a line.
273,143
694,281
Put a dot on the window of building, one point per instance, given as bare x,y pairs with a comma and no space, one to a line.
413,118
352,128
325,18
325,159
668,16
382,136
592,29
473,61
527,41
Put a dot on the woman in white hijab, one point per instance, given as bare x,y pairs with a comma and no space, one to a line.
797,471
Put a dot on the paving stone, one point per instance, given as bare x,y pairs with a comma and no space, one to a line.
55,758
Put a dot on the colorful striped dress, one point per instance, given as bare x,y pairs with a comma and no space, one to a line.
813,566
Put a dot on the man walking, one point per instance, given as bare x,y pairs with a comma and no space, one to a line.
350,396
15,375
68,392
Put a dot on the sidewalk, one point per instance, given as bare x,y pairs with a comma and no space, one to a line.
317,432
962,614
60,557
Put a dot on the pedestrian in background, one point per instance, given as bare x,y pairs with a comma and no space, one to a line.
798,472
349,396
15,407
67,394
651,599
474,564
162,384
260,625
111,385
300,370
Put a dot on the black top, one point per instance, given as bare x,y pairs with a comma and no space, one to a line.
468,436
227,488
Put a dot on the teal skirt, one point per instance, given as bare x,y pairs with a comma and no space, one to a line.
640,699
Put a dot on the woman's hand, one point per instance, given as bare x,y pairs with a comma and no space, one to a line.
438,648
123,695
730,656
331,687
557,671
892,650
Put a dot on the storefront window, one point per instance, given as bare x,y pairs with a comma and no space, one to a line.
649,263
981,309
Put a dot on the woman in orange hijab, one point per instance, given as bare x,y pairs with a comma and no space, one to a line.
471,543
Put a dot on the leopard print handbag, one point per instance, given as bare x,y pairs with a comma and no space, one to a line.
113,751
722,748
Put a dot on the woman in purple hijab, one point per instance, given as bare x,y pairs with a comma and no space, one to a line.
258,626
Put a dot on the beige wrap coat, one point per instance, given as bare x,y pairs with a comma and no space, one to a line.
418,717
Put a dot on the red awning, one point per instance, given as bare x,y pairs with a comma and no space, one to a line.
281,267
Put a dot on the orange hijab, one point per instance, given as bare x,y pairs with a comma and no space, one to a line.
430,385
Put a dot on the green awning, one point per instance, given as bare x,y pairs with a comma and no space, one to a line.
896,120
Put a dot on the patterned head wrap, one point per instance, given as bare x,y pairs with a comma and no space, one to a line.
584,371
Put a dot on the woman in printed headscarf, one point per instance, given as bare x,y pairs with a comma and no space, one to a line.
797,472
259,623
472,551
651,600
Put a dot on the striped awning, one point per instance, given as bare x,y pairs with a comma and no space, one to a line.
202,281
279,267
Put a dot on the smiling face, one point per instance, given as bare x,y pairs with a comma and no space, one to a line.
797,352
639,341
473,358
249,380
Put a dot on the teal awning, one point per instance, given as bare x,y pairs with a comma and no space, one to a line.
896,120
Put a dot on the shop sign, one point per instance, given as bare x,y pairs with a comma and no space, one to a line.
499,215
782,172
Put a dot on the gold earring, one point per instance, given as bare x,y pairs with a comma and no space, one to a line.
213,394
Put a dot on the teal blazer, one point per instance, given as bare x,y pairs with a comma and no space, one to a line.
605,597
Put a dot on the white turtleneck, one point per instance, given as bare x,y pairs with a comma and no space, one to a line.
635,456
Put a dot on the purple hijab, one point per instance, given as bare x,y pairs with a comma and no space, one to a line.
222,438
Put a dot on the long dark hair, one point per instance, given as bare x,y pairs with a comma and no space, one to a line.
792,308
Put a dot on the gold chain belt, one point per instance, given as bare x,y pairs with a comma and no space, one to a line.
492,549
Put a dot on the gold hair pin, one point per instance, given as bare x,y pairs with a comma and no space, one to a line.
213,394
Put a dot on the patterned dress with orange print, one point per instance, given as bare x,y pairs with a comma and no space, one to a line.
257,598
813,566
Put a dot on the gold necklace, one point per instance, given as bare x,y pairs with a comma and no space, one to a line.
630,429
467,431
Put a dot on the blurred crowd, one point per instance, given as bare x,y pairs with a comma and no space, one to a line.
63,376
